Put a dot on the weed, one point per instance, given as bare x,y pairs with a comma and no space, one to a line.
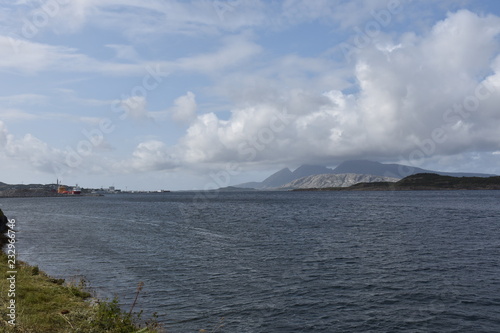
47,305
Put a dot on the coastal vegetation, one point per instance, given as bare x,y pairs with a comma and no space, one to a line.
47,305
33,302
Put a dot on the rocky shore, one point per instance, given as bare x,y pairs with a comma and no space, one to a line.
3,227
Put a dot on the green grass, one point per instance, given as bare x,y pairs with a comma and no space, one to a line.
47,305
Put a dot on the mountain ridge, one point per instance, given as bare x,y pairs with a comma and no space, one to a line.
360,167
285,176
394,170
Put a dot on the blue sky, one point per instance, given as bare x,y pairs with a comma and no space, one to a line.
149,94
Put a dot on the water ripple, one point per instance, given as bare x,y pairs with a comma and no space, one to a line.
281,261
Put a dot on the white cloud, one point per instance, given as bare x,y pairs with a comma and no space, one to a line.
150,155
404,95
15,114
3,135
235,51
9,110
28,149
462,43
184,109
30,57
203,142
141,19
273,80
23,99
135,107
26,56
125,52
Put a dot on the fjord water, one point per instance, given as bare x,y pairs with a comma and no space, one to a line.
280,261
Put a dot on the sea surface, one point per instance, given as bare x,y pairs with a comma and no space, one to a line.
424,261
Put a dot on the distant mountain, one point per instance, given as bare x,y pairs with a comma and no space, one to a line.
251,185
235,189
360,167
394,170
335,180
285,176
278,178
309,170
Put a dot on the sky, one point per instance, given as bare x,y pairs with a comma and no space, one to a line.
183,95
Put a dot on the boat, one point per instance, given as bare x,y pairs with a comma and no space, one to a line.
76,190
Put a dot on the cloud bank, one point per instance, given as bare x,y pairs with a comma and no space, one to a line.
416,96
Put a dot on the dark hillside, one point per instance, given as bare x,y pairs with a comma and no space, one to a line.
435,181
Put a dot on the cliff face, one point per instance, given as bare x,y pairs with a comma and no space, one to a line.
335,180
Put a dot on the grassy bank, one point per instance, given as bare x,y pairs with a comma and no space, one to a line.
43,304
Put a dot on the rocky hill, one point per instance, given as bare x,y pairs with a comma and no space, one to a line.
423,181
335,180
429,181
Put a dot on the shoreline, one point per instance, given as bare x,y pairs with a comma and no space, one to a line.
382,189
28,193
33,301
50,196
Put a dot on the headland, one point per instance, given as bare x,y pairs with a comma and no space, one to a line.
421,182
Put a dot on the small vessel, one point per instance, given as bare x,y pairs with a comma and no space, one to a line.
76,190
61,189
